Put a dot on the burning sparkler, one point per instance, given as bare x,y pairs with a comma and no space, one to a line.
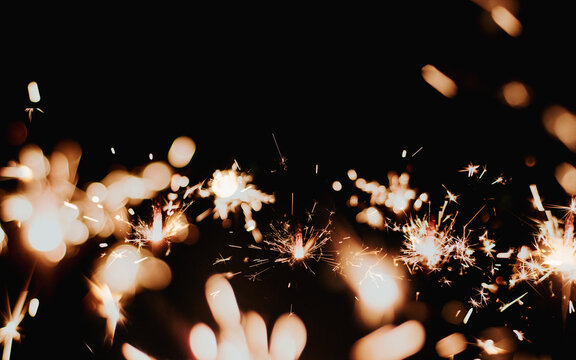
554,253
295,244
167,226
231,190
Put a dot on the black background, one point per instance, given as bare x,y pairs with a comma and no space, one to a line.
332,88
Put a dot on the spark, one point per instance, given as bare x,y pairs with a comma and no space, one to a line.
141,259
468,315
11,330
490,347
451,197
282,158
536,197
519,335
222,259
498,180
30,111
471,169
417,151
481,299
506,306
488,245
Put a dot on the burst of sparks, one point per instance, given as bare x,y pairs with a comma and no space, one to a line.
231,190
108,306
427,244
471,169
165,226
481,299
554,252
296,244
11,329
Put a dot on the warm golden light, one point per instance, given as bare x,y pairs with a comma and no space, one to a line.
336,186
203,342
44,232
372,279
516,94
181,151
225,183
561,123
451,345
439,81
33,92
157,176
33,307
373,217
120,268
243,336
132,353
157,225
565,174
153,273
288,338
506,20
390,343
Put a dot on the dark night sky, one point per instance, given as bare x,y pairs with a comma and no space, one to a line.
337,88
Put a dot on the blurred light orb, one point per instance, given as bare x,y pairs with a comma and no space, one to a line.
181,151
120,269
225,183
157,175
33,92
203,342
516,94
44,233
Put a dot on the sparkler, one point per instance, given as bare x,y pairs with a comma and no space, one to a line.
429,244
554,253
296,244
167,226
231,190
